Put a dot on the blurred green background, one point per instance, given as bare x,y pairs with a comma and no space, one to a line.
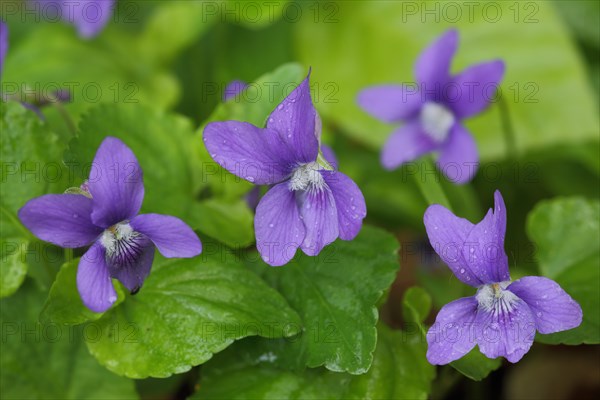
157,72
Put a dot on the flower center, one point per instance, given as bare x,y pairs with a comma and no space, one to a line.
307,176
436,121
121,241
494,298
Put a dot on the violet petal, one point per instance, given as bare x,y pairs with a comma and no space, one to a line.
257,155
132,262
405,144
484,246
459,159
233,88
390,103
115,183
432,68
294,121
505,333
93,280
349,201
89,16
320,216
278,227
453,333
476,87
447,234
3,44
172,236
553,309
61,219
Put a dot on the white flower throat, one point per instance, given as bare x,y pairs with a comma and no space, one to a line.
495,298
436,121
307,176
118,235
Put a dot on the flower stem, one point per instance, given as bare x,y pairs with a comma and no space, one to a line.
507,129
430,186
68,255
65,116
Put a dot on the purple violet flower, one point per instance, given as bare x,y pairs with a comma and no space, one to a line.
310,204
88,16
503,316
432,114
252,198
104,214
233,88
3,44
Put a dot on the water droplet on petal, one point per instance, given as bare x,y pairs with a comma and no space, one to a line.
270,225
462,270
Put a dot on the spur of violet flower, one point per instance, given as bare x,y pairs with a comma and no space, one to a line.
432,114
309,204
104,214
88,16
503,316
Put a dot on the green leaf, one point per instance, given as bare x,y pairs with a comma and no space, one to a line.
262,96
399,370
272,43
567,234
335,293
253,15
341,52
581,16
13,264
187,310
64,305
30,167
229,221
162,39
416,305
50,361
162,143
114,70
475,365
